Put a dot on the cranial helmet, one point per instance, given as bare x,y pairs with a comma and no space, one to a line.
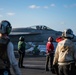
5,27
50,39
21,38
68,33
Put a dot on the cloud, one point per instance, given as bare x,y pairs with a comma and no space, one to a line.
70,6
65,6
10,14
62,23
46,7
1,15
73,5
52,5
34,6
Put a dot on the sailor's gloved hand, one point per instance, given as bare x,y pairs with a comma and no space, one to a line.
55,65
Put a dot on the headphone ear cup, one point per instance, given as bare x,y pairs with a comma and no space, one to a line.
8,29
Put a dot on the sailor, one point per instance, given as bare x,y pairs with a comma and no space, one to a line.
7,57
65,54
50,53
21,50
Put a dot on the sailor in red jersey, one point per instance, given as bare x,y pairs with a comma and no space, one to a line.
50,53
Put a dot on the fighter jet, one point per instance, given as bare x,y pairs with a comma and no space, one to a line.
34,35
37,34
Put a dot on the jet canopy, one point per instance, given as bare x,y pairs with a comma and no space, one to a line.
40,27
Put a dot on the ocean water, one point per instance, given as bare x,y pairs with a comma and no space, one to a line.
42,48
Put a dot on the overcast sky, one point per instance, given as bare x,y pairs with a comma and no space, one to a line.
56,14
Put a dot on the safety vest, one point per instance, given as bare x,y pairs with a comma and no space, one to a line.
21,46
4,61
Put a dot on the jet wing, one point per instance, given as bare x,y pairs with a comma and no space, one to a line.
24,33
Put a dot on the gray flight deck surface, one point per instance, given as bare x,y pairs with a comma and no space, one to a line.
34,66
